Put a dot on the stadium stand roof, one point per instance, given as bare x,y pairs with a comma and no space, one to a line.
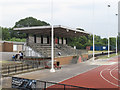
59,31
12,42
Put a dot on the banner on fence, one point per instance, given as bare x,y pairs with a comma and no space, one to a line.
24,84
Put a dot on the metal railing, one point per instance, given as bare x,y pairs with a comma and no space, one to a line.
44,85
27,84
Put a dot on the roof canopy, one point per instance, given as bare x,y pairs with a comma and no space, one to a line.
59,31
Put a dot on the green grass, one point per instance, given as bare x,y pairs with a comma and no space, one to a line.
106,56
90,52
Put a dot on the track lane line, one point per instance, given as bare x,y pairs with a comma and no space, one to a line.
112,74
105,78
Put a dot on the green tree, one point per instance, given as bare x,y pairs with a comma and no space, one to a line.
5,34
26,22
29,22
80,42
112,43
104,41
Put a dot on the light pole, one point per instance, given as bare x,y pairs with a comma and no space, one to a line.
108,46
108,36
93,48
52,38
116,45
116,39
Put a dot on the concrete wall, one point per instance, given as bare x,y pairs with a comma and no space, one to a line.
60,41
6,55
45,40
84,57
64,41
20,48
38,39
31,39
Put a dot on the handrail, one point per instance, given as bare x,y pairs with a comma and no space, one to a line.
44,87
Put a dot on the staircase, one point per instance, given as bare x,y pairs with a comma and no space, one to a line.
75,60
17,68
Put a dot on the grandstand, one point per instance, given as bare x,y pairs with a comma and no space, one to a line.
38,42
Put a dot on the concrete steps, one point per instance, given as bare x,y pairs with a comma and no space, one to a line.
17,68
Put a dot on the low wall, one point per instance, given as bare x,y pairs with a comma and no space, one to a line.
6,55
64,60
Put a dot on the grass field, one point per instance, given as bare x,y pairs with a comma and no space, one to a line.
90,52
106,56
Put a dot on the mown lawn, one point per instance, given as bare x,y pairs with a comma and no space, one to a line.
90,52
106,56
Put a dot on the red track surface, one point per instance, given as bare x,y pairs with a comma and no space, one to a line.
105,76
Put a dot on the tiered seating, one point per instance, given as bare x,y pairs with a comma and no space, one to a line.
45,49
67,49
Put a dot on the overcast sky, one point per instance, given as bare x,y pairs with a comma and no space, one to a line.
91,15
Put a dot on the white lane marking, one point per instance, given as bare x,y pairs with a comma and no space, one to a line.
112,75
106,79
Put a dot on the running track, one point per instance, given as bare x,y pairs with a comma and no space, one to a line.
105,76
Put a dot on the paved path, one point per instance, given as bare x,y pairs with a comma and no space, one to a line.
66,72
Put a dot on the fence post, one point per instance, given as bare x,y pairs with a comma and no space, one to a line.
44,85
22,67
8,70
33,65
15,68
27,66
64,87
37,65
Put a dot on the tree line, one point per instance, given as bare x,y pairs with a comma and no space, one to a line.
81,42
9,34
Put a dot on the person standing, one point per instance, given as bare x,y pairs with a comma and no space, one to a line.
21,55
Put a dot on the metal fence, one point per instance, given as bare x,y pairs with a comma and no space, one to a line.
30,84
104,53
44,85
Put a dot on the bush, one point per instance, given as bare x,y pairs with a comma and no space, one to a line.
17,40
